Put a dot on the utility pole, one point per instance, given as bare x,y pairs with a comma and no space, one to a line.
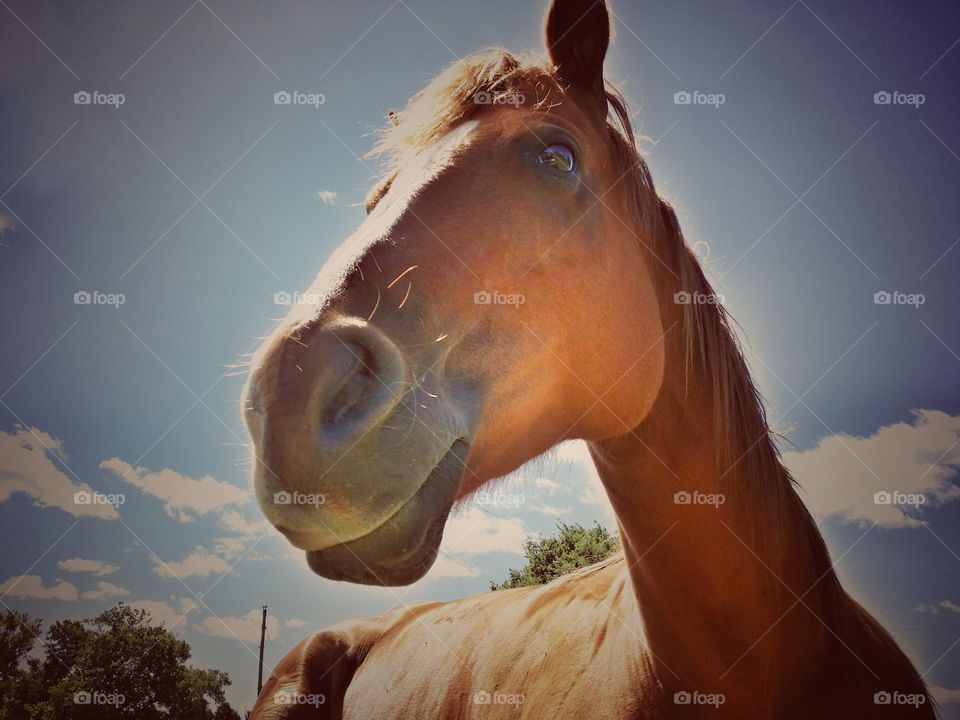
263,632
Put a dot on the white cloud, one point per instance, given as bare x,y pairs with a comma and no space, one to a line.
594,494
188,604
575,453
475,532
105,590
161,612
235,522
327,197
545,483
446,567
295,623
183,497
28,465
197,564
246,628
32,587
230,547
247,542
83,565
550,509
934,609
842,473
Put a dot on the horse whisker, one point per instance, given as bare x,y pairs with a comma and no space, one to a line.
397,278
375,306
404,301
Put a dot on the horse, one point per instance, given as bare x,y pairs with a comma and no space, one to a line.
518,282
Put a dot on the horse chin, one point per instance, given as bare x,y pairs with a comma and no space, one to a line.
402,549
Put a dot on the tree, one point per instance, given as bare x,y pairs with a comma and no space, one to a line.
17,635
116,665
225,712
572,547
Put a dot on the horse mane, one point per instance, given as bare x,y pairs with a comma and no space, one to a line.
748,459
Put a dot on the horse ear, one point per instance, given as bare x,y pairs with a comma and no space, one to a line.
578,32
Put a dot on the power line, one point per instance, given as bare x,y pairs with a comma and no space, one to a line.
276,657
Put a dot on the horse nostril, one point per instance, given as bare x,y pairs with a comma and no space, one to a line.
356,367
347,399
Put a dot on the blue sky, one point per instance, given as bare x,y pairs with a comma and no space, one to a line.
198,199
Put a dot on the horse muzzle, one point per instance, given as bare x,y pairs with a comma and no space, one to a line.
358,461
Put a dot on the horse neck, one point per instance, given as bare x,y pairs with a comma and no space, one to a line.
714,575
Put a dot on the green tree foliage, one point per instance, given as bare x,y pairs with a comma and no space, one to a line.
116,665
17,635
572,547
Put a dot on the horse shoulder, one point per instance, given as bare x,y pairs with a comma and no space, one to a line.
556,648
312,679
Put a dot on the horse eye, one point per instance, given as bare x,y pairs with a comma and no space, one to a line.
559,157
